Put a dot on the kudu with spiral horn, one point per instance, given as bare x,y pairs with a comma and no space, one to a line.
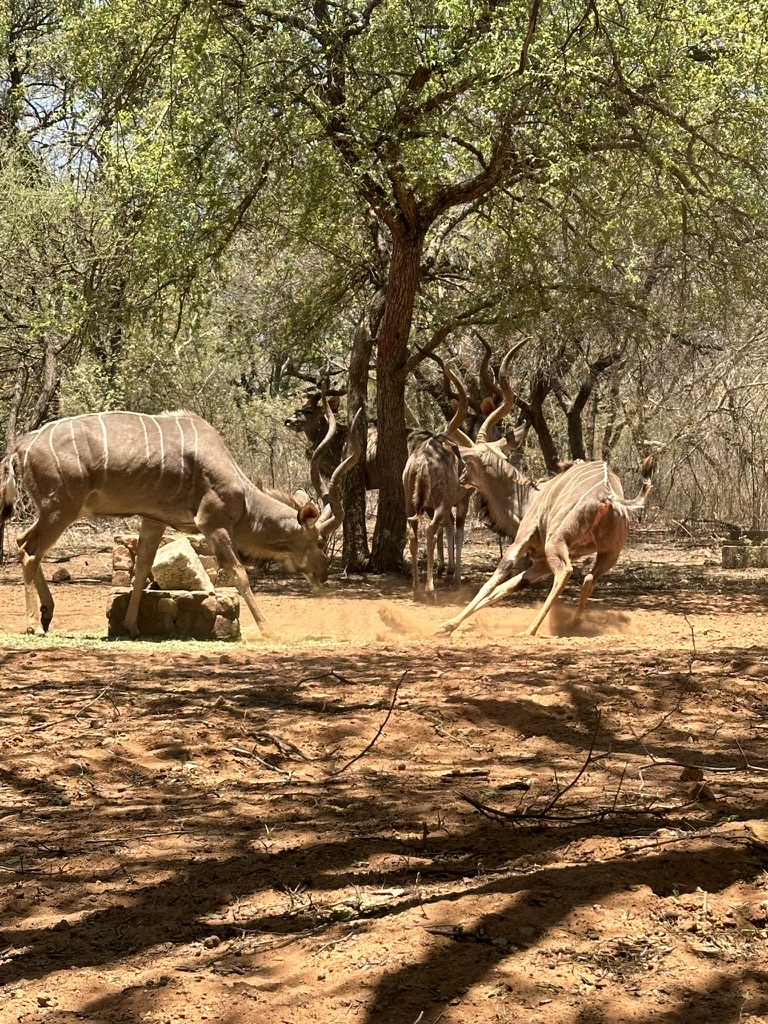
173,469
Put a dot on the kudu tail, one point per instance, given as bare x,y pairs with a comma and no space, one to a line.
8,488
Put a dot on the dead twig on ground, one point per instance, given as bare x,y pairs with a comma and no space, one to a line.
284,746
379,731
333,674
528,814
591,758
124,838
751,832
240,752
746,766
70,718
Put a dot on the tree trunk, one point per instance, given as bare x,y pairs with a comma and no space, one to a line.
534,411
574,414
355,552
392,355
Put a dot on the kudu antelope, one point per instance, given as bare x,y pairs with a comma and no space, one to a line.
477,408
173,469
572,515
484,417
503,489
431,485
311,419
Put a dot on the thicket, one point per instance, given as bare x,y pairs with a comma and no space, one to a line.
200,200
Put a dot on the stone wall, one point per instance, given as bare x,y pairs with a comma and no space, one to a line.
124,558
181,613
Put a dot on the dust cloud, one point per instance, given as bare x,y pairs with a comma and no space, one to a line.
506,620
344,621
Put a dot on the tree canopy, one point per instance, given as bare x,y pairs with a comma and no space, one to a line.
200,192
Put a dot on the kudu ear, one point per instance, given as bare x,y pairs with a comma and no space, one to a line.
333,402
462,439
487,406
515,438
308,515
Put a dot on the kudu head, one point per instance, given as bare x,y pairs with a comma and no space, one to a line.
486,465
477,409
310,417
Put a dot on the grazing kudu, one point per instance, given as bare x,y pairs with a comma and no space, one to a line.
577,513
173,469
431,486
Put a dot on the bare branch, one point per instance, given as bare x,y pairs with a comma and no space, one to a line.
379,731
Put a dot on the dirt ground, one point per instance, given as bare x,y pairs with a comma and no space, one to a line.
366,822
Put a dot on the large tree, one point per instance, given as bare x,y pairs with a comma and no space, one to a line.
429,109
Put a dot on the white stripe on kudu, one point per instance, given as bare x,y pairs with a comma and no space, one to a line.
111,473
106,444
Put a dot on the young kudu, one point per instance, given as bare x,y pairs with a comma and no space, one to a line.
431,487
174,470
577,513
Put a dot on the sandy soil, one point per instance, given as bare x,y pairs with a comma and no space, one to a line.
366,822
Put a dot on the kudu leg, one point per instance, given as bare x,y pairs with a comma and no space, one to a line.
33,544
413,547
458,545
558,585
496,587
462,508
559,563
604,562
449,532
440,545
150,533
434,527
221,545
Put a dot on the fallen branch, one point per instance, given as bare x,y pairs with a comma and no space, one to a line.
284,746
528,816
333,674
69,718
590,759
379,731
713,769
240,752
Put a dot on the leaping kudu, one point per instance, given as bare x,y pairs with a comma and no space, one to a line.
173,469
577,513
